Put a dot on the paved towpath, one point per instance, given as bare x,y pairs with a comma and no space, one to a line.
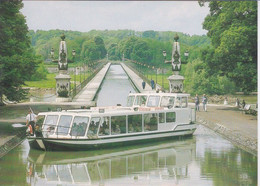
87,94
231,122
137,80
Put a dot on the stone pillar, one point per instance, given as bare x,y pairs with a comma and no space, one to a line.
176,83
63,78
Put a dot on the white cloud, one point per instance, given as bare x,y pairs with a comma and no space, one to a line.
83,16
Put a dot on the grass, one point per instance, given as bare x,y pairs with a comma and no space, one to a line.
50,81
161,80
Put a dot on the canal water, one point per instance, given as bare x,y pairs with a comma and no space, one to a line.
203,159
115,88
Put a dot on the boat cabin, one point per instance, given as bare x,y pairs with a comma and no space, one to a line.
145,113
169,100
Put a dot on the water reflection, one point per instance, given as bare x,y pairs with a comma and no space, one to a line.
142,165
204,159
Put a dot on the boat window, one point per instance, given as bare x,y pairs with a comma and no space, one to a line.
104,127
130,101
153,101
49,125
93,127
178,102
170,117
162,117
140,100
150,122
118,124
135,123
64,125
79,126
167,101
184,102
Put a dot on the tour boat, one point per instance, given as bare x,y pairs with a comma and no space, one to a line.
147,117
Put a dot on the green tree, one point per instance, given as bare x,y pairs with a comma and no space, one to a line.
16,56
198,81
232,27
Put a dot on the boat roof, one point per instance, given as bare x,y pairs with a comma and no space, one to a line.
104,110
159,94
117,109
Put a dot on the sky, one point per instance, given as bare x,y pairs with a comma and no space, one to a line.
180,16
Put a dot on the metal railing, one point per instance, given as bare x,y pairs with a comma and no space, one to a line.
75,91
141,75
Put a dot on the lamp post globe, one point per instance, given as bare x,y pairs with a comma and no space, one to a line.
52,53
73,53
186,54
164,53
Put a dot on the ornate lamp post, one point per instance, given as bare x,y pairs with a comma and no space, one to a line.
186,55
176,81
63,78
52,53
73,55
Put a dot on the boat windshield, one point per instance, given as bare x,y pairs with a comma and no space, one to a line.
184,102
167,101
178,102
130,101
153,101
49,125
140,100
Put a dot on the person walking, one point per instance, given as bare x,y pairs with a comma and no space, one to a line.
237,103
152,84
30,121
197,103
243,104
225,101
143,84
204,102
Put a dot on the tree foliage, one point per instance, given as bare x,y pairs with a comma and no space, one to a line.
17,61
232,27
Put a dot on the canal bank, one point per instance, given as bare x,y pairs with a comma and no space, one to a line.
136,80
232,124
10,138
87,95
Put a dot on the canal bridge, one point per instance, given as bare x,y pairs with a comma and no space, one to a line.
88,94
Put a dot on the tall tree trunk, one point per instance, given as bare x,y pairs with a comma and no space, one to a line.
1,99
